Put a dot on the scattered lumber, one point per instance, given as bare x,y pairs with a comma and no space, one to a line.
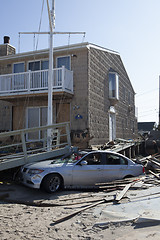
154,174
116,199
120,195
29,203
156,163
143,196
81,210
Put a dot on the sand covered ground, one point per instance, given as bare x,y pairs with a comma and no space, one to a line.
21,220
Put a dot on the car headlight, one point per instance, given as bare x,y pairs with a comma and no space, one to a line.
35,171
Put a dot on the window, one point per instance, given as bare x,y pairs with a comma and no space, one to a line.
18,79
36,117
38,79
44,64
18,67
64,61
93,159
115,160
34,66
113,85
38,65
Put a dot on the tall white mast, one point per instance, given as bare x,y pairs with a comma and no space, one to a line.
51,15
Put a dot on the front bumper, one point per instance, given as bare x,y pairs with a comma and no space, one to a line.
32,181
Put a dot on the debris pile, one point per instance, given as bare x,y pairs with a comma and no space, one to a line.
151,164
131,203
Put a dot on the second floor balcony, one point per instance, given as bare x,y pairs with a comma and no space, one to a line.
33,82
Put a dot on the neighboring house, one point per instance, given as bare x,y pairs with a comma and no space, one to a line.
146,127
91,89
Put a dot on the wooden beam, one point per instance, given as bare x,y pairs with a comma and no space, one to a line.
154,174
120,195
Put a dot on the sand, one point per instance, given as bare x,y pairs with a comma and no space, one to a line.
20,221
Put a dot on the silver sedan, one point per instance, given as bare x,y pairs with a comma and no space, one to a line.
79,171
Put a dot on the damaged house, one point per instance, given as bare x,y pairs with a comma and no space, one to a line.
91,90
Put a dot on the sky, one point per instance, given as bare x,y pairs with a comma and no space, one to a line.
130,27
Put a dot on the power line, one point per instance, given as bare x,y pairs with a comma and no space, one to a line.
138,95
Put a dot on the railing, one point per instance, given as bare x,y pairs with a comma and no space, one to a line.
31,81
16,150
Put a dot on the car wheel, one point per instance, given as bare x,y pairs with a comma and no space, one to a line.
52,183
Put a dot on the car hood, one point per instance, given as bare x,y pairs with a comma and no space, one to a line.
46,164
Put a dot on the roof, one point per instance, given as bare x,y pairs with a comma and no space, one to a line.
146,126
58,49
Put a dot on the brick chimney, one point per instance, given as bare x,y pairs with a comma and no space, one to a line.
6,39
6,48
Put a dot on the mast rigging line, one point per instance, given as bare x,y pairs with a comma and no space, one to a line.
40,24
52,33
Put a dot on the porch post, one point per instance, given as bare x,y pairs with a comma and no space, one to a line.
29,80
63,76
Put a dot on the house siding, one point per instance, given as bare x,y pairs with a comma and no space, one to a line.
7,49
88,108
99,104
98,96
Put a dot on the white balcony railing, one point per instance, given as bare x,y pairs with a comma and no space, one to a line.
36,81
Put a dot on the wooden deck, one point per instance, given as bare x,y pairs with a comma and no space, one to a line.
16,150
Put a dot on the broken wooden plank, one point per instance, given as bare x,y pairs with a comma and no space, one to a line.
67,217
154,174
121,194
156,163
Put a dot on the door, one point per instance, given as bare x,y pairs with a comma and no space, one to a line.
63,115
36,117
19,79
33,121
34,67
112,126
61,61
115,167
62,112
89,174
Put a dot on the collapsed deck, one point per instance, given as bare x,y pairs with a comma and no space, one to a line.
16,150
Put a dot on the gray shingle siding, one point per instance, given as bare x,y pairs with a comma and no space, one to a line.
99,65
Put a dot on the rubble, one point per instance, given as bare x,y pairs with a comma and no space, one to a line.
126,204
121,207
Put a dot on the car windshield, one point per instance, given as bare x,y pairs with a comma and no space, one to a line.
68,159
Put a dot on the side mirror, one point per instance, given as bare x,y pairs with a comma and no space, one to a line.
83,163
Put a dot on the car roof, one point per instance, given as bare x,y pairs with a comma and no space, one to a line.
103,151
107,151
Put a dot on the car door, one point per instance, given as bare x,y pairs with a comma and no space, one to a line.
91,172
115,166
